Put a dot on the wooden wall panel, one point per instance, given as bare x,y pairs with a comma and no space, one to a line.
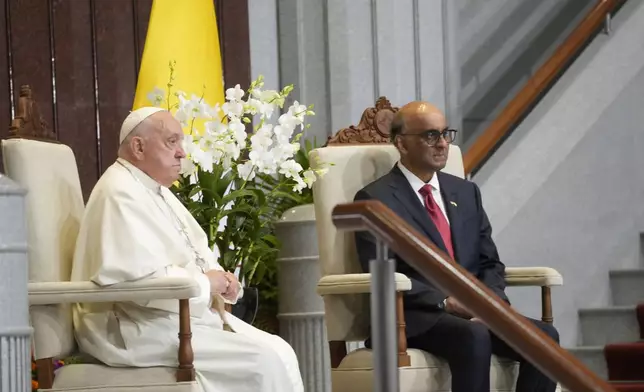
72,32
31,52
141,13
5,93
115,57
96,47
234,39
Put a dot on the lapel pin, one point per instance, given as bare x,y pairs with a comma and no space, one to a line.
453,203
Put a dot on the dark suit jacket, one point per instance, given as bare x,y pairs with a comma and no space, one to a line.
471,239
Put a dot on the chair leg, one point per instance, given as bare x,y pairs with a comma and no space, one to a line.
186,370
45,373
403,357
337,351
546,305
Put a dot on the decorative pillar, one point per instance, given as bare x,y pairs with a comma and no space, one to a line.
343,55
301,309
15,331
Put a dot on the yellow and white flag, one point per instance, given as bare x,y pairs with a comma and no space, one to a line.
185,32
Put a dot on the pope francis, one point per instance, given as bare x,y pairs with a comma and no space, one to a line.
134,228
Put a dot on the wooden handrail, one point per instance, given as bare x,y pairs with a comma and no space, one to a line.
420,253
540,81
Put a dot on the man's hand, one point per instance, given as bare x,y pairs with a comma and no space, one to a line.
233,288
478,320
456,308
219,282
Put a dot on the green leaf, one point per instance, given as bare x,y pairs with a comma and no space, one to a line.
290,196
271,239
229,261
256,195
196,207
194,191
260,196
260,271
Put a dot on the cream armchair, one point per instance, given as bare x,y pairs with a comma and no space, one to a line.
344,287
54,207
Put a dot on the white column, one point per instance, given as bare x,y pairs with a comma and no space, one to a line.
301,309
15,332
342,55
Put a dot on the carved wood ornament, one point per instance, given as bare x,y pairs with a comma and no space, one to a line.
28,122
373,127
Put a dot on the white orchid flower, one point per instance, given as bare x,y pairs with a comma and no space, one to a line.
235,94
156,96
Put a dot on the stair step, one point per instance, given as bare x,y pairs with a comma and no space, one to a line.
601,326
627,286
593,358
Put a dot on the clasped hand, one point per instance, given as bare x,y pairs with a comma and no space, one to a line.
456,308
223,283
453,306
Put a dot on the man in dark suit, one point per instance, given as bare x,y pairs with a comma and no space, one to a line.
449,211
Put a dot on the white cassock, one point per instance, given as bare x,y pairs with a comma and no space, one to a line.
131,231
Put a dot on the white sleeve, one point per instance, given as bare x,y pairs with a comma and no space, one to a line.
198,305
126,245
239,295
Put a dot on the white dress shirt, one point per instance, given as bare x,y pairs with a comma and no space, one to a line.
416,184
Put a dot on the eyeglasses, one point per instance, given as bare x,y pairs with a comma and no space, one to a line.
432,136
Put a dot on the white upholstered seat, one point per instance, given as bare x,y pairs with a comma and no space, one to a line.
425,370
96,377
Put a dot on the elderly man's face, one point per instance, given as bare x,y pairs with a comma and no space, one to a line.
162,149
417,148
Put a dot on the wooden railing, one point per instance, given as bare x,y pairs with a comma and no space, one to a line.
537,84
421,254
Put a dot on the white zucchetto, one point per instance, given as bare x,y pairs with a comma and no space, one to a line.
135,118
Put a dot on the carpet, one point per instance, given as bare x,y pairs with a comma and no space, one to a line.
625,361
630,387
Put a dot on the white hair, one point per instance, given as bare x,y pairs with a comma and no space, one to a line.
143,129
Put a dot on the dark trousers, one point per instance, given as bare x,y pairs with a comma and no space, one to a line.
468,345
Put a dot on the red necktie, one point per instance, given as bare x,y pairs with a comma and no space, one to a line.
437,217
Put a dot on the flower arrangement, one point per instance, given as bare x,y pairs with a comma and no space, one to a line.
233,180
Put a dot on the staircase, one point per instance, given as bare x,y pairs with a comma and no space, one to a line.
540,188
613,337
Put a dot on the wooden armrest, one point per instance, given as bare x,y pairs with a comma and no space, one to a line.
54,293
544,277
533,276
356,284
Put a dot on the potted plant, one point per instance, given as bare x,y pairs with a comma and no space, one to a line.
233,181
268,288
